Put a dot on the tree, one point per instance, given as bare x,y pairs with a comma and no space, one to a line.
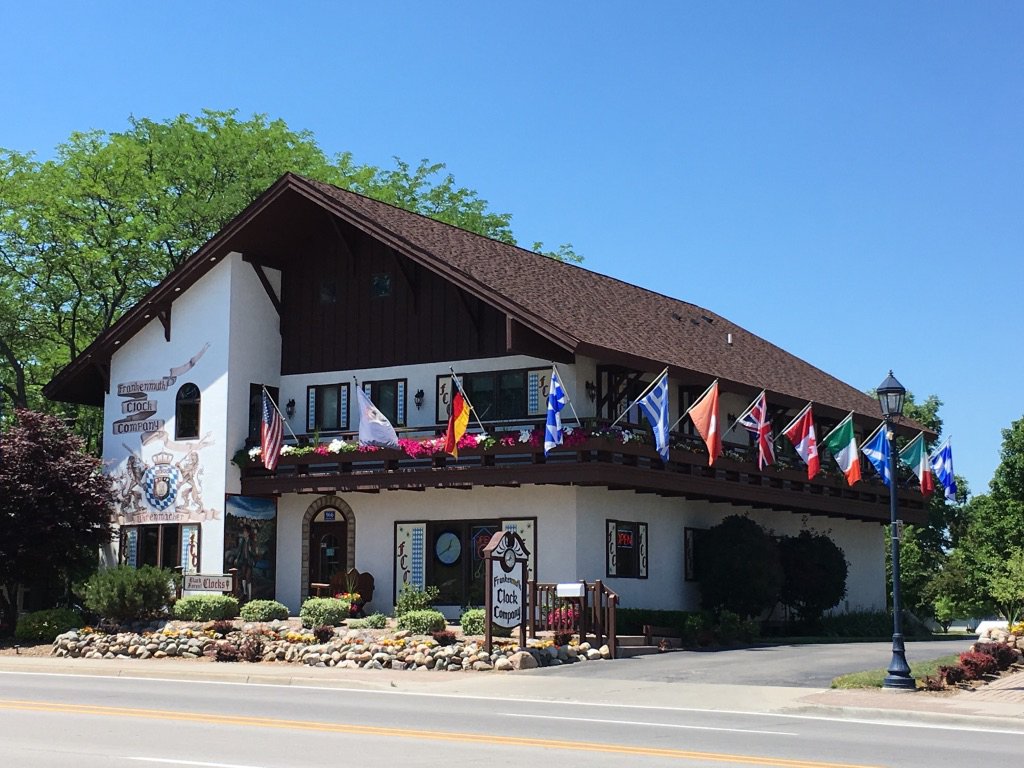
1008,482
814,574
742,572
1006,586
84,236
56,505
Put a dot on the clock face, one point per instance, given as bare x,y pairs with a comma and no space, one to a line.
448,547
510,559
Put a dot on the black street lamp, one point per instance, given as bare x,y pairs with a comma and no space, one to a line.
890,397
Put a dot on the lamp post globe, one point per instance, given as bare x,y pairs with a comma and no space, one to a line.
891,395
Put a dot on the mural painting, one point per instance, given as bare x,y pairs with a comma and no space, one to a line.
250,545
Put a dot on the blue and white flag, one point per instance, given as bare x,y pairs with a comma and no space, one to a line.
374,427
556,402
942,466
655,407
877,451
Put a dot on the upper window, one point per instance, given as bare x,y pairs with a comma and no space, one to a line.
389,397
626,550
327,408
497,395
186,413
380,285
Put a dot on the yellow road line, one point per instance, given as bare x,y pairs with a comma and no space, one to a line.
370,730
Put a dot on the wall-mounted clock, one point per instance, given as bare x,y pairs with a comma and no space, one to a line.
448,547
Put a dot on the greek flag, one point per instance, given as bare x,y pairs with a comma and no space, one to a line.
556,402
942,465
877,451
655,407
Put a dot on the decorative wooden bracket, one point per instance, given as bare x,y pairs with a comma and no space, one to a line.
265,282
165,320
104,371
343,243
405,269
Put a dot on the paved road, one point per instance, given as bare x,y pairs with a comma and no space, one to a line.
57,720
799,666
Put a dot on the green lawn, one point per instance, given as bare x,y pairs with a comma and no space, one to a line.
873,678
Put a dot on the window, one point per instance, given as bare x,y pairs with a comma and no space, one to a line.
380,285
389,397
256,410
497,395
327,408
161,545
626,550
186,413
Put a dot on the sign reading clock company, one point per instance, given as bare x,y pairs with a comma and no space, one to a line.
507,595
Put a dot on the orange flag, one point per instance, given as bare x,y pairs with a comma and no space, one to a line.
704,414
457,423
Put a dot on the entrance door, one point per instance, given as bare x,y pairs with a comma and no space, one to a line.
328,551
455,562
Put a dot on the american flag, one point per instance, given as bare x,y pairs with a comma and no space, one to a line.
270,433
756,422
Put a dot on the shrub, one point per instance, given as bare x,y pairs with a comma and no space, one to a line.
814,575
222,627
631,621
251,649
874,624
415,599
264,610
225,650
1003,654
952,674
324,633
742,572
472,621
317,611
422,622
977,665
444,637
125,593
44,626
206,607
376,621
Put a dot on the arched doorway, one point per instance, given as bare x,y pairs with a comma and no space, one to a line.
328,546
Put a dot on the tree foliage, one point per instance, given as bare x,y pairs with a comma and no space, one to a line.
55,510
814,574
85,235
742,572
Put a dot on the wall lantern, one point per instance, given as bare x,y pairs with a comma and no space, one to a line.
289,408
418,398
591,388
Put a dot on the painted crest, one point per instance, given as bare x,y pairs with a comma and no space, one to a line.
160,483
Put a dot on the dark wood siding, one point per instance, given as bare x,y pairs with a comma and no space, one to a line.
331,321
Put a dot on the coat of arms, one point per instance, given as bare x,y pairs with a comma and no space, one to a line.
160,482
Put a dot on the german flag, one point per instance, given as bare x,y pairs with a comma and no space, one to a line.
457,423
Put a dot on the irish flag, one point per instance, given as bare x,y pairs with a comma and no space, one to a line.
915,456
842,444
457,423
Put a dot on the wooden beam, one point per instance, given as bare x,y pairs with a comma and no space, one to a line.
165,320
405,270
265,282
522,340
343,242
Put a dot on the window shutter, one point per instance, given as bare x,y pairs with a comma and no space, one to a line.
641,562
310,409
400,405
410,562
610,554
343,406
130,554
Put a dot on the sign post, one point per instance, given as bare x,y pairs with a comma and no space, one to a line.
506,595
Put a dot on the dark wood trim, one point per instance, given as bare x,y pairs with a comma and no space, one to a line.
522,340
265,282
103,368
164,315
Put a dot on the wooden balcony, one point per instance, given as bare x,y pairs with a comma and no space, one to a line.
594,462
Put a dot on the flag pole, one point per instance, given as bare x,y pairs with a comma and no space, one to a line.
643,394
567,398
283,419
797,417
874,432
466,398
938,450
692,405
749,409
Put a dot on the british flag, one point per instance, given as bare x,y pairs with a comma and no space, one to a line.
271,433
756,422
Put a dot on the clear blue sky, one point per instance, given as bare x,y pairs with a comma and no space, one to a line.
843,179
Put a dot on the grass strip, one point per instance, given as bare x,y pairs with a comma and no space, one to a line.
873,678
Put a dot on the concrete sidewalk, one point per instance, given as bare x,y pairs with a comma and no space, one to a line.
998,705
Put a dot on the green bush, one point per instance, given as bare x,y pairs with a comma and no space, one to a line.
814,570
206,607
742,570
415,599
472,621
859,624
264,610
376,621
318,611
631,621
422,622
125,593
44,626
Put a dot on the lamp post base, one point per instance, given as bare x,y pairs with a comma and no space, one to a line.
899,677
